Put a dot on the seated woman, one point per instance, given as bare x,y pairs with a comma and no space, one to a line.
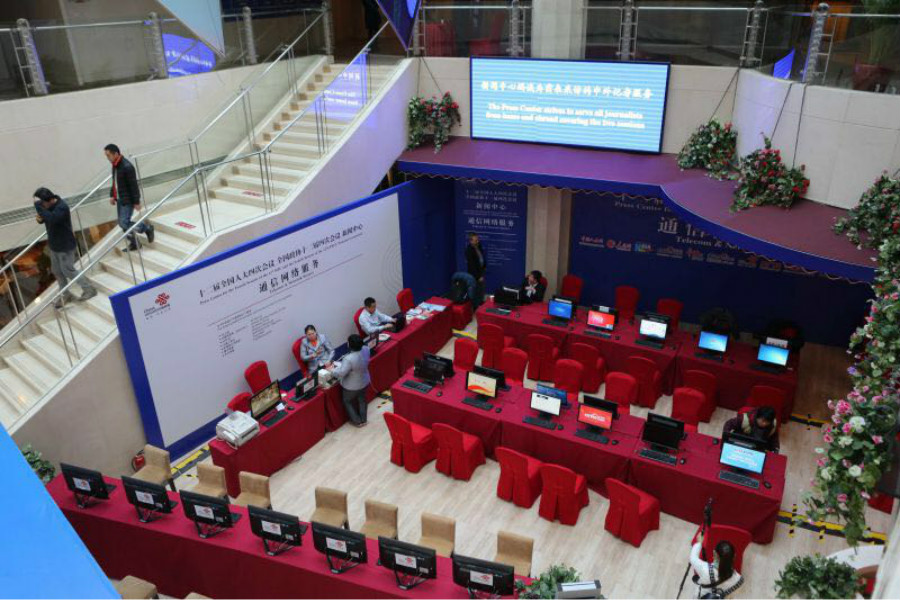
316,351
532,289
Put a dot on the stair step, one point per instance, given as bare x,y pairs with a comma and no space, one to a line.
9,409
247,182
289,161
30,369
100,305
87,320
190,237
109,282
308,151
83,343
51,354
173,245
122,267
293,136
291,176
307,125
154,258
16,391
239,196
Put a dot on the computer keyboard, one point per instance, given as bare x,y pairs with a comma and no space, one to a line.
555,322
710,356
592,436
268,421
773,369
658,456
540,422
478,403
600,334
739,479
417,386
498,311
649,343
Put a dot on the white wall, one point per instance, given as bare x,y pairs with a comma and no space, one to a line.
846,140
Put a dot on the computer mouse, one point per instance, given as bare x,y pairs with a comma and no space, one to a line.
682,461
715,442
440,393
518,315
289,407
768,485
615,442
498,409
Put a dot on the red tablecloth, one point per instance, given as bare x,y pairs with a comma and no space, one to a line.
735,374
522,322
274,446
233,564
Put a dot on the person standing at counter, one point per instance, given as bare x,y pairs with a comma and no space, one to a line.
316,351
353,375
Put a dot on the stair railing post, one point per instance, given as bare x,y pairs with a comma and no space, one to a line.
627,31
62,336
247,35
157,49
328,28
749,57
32,59
811,73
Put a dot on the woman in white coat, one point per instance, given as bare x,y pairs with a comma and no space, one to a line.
717,579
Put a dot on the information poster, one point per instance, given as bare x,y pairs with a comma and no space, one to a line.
499,215
346,95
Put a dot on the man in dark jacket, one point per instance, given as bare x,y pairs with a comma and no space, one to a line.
476,265
533,289
53,212
760,423
125,194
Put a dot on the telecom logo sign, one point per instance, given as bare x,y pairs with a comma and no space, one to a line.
161,305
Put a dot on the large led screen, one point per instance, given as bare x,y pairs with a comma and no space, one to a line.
612,105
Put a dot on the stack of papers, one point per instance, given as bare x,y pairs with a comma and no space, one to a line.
432,307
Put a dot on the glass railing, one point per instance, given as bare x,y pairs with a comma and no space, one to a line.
472,29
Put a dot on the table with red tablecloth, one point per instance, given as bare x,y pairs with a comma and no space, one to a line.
233,564
522,321
275,446
735,373
428,335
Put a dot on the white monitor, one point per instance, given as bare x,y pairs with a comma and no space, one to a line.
653,329
545,404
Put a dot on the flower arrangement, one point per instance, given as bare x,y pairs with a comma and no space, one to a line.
546,583
765,179
817,577
42,467
877,214
435,115
712,147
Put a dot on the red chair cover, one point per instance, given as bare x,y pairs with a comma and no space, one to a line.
241,402
690,428
520,477
571,287
458,453
567,375
257,376
648,377
626,301
439,39
766,395
461,315
544,282
621,388
542,355
632,513
412,446
705,382
880,501
405,300
492,341
593,365
687,405
671,308
302,363
563,495
359,328
513,362
465,353
737,537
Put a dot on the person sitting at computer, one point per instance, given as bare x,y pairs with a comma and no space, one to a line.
718,578
373,320
532,290
760,423
353,375
315,350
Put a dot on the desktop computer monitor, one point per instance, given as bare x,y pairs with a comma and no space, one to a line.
445,363
150,500
747,441
507,296
773,355
600,319
607,405
594,417
546,406
347,546
742,458
662,432
265,400
282,530
553,392
411,564
653,328
210,514
560,309
478,575
428,372
306,387
497,374
481,385
85,484
713,342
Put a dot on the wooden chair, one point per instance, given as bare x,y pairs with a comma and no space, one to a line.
157,468
211,481
438,533
133,587
254,490
515,550
331,508
381,520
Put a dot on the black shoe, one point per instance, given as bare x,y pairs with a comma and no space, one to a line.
150,233
131,247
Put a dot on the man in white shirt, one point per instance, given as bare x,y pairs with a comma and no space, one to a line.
372,320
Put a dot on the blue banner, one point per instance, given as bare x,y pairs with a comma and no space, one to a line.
622,240
499,215
402,15
186,56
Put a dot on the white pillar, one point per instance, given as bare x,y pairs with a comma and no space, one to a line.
558,28
549,222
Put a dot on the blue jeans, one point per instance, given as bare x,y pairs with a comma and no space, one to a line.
124,212
476,288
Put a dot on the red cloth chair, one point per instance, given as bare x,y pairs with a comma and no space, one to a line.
563,494
671,308
626,301
593,364
492,341
688,428
571,287
513,362
544,282
705,382
296,350
405,300
520,477
567,375
458,453
241,402
622,389
542,355
648,377
461,315
737,537
632,513
878,501
766,395
257,376
687,405
465,353
412,446
359,328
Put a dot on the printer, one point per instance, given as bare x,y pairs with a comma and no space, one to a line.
237,429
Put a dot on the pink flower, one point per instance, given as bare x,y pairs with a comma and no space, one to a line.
846,428
842,498
865,495
877,439
821,461
828,438
843,407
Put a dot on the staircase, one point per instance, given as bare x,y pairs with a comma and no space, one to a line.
36,359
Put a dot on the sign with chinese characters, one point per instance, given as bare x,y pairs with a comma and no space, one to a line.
499,215
186,56
346,95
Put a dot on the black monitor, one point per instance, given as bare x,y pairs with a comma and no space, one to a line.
742,459
609,405
654,328
483,576
306,387
445,363
507,296
278,531
410,563
150,500
663,433
603,318
427,371
561,309
265,400
87,485
344,549
210,514
483,386
497,374
557,393
747,441
372,341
